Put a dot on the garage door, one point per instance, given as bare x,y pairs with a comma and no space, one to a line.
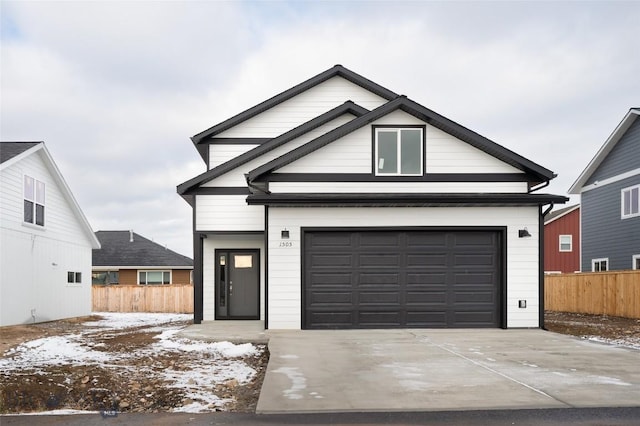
401,279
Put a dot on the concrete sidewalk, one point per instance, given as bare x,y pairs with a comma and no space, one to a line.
435,370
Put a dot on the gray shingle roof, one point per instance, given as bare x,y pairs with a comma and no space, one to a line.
556,213
118,250
8,150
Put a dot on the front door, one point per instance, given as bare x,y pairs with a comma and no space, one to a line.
237,284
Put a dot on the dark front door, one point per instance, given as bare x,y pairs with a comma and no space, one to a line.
237,284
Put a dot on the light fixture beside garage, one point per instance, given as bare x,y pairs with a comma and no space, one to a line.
284,234
522,233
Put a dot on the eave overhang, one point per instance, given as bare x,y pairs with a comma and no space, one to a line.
404,200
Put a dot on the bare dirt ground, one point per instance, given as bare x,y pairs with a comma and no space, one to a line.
602,328
101,388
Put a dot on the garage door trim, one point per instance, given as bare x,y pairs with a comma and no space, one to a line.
500,230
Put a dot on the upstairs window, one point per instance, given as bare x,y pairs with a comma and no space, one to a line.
566,243
630,202
33,201
399,151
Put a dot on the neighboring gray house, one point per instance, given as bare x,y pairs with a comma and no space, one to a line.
610,206
127,258
341,204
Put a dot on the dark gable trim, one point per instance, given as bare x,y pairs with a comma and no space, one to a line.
220,190
422,113
404,200
337,70
366,177
346,108
237,141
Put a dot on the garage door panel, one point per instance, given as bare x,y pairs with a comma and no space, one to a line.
331,261
426,298
379,279
334,298
379,240
379,318
379,260
422,260
380,298
391,279
319,280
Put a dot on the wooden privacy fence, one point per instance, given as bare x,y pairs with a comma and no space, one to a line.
615,293
174,298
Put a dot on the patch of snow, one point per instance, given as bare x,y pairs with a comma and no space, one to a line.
120,320
298,382
53,413
631,342
218,362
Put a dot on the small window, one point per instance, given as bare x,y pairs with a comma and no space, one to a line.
599,265
636,261
154,277
565,242
34,201
399,152
74,277
105,277
630,205
242,261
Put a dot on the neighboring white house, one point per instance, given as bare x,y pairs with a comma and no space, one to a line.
45,240
340,204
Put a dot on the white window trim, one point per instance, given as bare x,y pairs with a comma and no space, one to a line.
634,258
622,191
155,270
34,224
570,243
399,150
601,259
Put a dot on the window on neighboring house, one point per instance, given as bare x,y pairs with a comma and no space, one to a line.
105,277
74,277
33,201
599,265
565,242
636,261
630,205
399,151
154,277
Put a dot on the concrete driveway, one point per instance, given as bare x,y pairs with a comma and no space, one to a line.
406,370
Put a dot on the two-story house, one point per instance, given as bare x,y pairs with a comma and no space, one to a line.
45,240
341,204
609,189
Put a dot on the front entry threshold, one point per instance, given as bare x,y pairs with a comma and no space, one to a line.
234,331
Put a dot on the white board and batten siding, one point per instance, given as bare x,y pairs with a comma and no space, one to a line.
236,177
227,242
285,259
444,153
302,108
227,213
34,259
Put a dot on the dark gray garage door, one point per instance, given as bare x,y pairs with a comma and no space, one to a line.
391,279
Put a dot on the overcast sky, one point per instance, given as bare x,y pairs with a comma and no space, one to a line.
115,89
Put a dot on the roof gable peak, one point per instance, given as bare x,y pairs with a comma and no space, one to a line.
336,70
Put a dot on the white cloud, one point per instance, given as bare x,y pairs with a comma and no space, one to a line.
115,89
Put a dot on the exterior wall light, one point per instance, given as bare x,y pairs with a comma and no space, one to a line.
522,233
284,234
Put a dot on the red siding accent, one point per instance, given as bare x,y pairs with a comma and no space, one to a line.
554,259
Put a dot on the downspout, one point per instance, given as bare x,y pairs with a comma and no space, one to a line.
541,265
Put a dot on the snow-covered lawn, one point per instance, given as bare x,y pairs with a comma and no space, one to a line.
210,365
